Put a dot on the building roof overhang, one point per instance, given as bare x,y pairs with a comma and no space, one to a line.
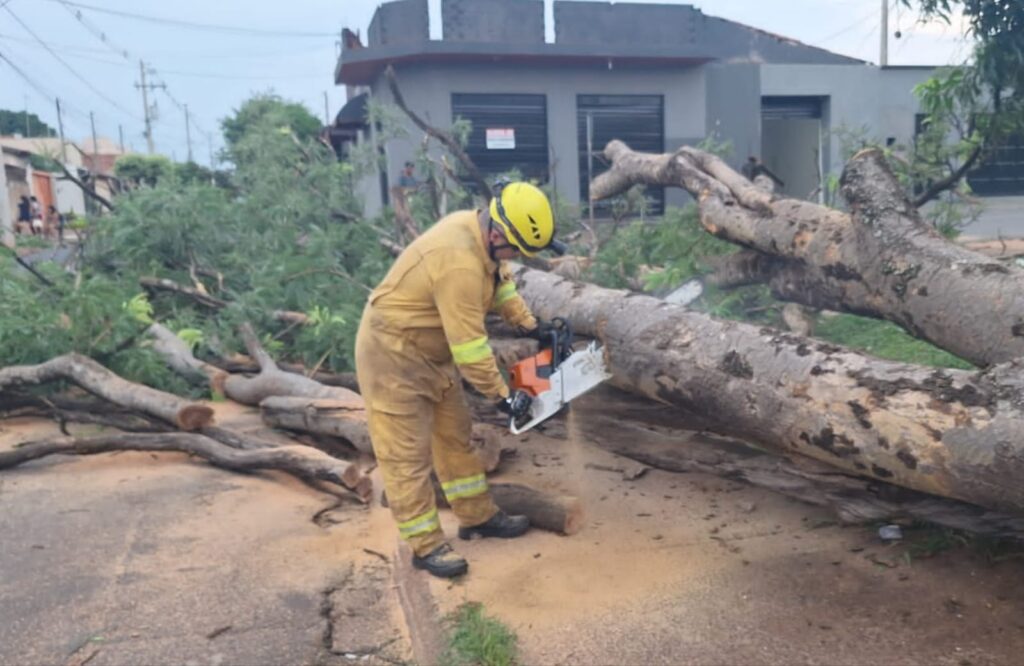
362,66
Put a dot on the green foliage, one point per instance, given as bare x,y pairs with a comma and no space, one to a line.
44,163
884,340
99,317
266,112
479,640
659,255
143,169
25,124
980,103
284,234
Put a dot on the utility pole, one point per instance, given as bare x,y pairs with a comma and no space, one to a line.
60,125
883,58
327,113
188,134
6,219
146,110
120,137
28,123
95,149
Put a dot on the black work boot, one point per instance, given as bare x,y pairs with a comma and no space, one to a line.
500,525
442,562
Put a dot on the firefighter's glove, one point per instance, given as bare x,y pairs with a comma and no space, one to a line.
516,405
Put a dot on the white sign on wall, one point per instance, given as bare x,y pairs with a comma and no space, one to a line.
501,138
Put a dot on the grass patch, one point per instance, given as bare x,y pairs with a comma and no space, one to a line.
884,340
479,640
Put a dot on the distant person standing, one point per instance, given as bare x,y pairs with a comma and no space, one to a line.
408,178
24,215
53,223
37,216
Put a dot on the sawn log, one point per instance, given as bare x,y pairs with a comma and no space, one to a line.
951,433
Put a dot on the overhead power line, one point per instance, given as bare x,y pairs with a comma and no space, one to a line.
238,30
99,34
99,93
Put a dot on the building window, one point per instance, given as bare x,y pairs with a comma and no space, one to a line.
638,120
510,132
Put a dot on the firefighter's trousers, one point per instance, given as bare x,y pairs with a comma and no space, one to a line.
419,421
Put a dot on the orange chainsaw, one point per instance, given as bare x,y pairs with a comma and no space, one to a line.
556,375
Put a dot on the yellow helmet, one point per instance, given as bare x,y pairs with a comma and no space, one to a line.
524,215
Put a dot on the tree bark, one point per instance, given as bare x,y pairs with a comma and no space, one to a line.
631,428
881,260
337,418
273,382
952,433
303,462
99,381
562,514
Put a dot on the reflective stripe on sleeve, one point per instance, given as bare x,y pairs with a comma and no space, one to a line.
469,486
422,524
472,351
505,293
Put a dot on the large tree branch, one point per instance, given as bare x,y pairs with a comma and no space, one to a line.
445,138
99,381
881,260
954,177
89,192
303,462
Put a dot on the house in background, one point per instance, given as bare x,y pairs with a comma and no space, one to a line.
655,76
49,187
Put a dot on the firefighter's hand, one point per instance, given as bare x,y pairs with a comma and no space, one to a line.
542,333
516,405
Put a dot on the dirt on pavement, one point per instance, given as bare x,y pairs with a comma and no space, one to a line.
147,558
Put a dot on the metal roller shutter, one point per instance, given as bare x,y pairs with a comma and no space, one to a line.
527,118
785,108
637,120
1002,174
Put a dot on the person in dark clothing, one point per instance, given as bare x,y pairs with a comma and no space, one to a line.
754,167
24,215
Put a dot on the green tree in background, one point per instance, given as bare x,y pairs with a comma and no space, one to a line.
269,110
26,124
981,102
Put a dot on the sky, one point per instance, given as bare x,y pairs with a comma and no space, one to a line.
88,58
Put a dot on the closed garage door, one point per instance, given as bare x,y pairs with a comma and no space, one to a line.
1003,172
509,132
638,120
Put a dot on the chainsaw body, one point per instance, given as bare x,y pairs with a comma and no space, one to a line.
556,375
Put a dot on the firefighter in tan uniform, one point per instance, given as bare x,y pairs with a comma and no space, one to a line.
423,329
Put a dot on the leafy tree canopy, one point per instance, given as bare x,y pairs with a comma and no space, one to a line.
268,110
26,124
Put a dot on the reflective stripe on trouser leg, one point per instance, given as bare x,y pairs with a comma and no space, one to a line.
469,486
457,465
401,443
422,524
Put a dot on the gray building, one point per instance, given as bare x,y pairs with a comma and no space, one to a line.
655,76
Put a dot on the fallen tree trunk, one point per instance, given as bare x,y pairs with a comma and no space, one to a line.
306,463
99,381
881,260
951,433
633,430
272,381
